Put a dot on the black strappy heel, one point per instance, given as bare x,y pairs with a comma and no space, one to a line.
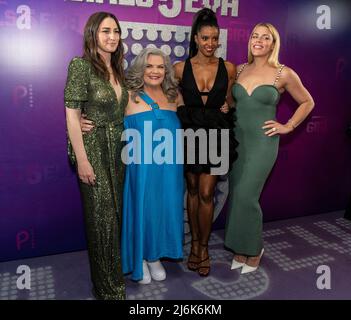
193,265
204,271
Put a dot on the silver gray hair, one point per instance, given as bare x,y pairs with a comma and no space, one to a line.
135,75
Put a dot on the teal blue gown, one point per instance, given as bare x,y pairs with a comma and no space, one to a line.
152,222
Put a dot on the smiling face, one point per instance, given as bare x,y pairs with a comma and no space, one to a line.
261,42
155,70
207,40
108,36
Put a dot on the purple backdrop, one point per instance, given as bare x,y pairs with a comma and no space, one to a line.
39,197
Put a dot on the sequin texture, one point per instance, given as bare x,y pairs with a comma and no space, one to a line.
102,203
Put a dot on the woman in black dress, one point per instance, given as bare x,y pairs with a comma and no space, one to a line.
205,82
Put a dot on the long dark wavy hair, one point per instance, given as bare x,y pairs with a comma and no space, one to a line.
91,48
203,18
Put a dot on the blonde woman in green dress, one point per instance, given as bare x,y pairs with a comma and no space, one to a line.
95,86
259,84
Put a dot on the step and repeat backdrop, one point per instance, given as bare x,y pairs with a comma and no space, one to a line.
40,208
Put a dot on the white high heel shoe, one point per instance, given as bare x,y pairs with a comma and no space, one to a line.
146,274
248,269
236,264
157,270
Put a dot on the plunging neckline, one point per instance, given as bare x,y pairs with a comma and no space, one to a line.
197,88
116,96
261,85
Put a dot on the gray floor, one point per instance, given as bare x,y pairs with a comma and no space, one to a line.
301,256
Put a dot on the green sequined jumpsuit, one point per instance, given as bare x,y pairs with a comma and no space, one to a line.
101,203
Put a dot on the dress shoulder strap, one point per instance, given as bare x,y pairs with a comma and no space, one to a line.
187,70
153,105
240,70
187,63
278,74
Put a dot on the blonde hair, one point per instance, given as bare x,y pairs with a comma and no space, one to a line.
273,58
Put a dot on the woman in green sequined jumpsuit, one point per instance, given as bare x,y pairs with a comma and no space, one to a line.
95,86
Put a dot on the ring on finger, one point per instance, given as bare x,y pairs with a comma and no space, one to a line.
274,129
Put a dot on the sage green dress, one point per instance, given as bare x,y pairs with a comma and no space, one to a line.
102,203
257,154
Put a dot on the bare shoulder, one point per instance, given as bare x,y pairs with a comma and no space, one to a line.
130,96
130,106
231,68
178,69
229,65
241,65
179,64
288,74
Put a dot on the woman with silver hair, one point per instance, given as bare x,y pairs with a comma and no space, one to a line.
152,225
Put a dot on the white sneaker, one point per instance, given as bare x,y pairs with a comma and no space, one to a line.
157,270
146,274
